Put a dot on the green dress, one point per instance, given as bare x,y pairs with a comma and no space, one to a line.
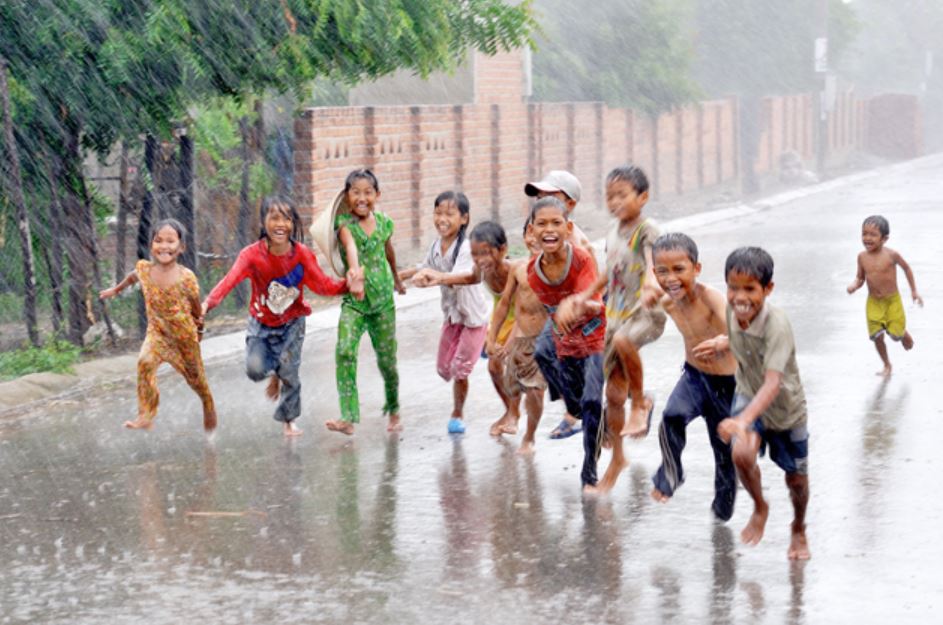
375,314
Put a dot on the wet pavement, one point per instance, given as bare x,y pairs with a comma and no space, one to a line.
101,524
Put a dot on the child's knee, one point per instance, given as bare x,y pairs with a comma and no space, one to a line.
743,455
617,391
256,368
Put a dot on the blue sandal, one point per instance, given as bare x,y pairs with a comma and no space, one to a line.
565,429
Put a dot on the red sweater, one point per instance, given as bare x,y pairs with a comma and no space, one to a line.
277,295
589,335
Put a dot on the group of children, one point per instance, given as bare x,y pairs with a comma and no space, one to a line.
558,323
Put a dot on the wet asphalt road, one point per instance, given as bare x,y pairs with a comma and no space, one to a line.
99,524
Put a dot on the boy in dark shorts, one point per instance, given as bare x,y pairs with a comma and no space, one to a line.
707,384
769,405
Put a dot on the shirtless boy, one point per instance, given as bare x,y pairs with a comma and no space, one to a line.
877,266
521,373
707,384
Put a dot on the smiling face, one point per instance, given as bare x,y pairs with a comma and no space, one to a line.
623,201
448,219
551,229
166,246
362,197
871,237
746,296
675,272
278,226
486,257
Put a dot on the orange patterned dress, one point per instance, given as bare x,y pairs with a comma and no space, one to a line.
172,337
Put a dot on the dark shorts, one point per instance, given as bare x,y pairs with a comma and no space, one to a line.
789,449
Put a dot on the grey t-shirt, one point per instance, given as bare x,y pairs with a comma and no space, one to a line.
768,345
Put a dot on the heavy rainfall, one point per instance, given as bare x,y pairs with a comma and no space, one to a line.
415,490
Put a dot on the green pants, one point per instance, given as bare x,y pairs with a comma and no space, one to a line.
382,329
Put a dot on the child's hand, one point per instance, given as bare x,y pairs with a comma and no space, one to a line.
711,349
731,428
917,299
398,285
355,283
852,287
423,278
203,310
568,312
108,293
650,295
494,349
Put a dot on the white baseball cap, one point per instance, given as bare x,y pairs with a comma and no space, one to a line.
556,180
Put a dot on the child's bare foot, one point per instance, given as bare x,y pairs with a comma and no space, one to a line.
497,428
798,545
640,419
907,341
393,425
885,372
139,424
209,421
753,532
273,388
608,481
344,427
526,448
659,496
291,429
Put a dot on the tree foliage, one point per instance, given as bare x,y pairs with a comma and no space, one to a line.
634,53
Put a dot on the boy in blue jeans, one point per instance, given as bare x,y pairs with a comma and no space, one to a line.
769,406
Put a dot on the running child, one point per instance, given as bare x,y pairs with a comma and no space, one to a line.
519,303
707,384
877,265
632,320
489,249
566,187
464,307
574,366
366,237
174,323
769,403
278,266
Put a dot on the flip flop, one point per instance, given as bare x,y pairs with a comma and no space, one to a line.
564,429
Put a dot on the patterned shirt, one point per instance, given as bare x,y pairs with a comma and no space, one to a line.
463,305
625,266
371,253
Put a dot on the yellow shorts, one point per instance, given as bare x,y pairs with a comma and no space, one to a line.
886,315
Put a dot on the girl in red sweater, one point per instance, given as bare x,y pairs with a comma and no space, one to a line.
278,266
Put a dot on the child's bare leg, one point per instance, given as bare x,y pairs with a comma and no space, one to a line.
907,341
631,363
617,389
744,456
459,394
148,394
141,423
507,424
394,425
534,404
273,388
799,493
881,346
338,425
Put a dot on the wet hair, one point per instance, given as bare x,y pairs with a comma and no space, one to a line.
491,233
543,203
170,222
632,174
361,174
287,208
675,241
751,261
464,208
879,222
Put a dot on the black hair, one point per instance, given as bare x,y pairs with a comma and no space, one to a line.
172,223
361,174
632,174
544,202
287,208
461,203
489,232
675,241
527,222
752,261
879,222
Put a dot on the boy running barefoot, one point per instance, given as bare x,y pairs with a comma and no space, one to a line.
521,373
877,265
707,384
769,403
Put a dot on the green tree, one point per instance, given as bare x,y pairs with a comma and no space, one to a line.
633,53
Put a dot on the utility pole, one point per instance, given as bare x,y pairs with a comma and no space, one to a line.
821,72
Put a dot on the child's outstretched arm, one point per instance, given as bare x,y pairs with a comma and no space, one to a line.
315,279
440,278
711,349
128,280
651,292
236,274
575,307
859,278
193,298
354,271
742,424
391,259
910,278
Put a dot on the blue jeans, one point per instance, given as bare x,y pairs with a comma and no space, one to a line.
579,382
277,349
698,394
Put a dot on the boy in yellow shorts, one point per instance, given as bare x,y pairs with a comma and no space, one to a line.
877,265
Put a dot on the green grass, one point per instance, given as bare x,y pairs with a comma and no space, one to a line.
54,356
